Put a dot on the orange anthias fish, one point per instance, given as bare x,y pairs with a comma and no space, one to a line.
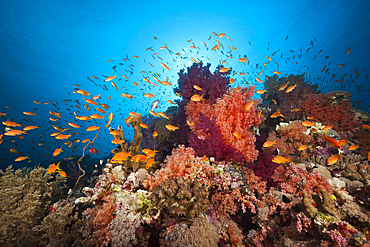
155,134
92,128
162,114
143,125
332,142
259,80
14,132
307,123
139,158
291,88
171,127
196,97
21,158
164,66
303,147
109,120
109,78
116,141
57,151
62,137
242,60
224,70
29,113
347,51
11,124
366,127
283,86
30,128
269,144
149,163
120,157
248,106
197,87
333,159
280,160
53,168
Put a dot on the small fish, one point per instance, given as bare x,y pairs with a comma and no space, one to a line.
333,159
248,105
280,160
92,128
307,123
242,60
93,151
259,80
171,127
155,134
276,72
332,142
269,143
196,97
143,125
303,147
139,158
347,51
353,147
223,70
197,87
164,66
149,163
57,151
261,91
154,105
291,88
237,135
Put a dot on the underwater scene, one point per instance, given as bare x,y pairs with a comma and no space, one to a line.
168,123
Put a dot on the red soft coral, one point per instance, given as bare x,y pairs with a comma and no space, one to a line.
233,119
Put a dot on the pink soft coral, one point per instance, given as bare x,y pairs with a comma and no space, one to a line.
182,162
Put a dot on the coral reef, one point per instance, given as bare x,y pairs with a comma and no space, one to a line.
180,198
26,197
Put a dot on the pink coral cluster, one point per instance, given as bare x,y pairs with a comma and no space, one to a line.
182,162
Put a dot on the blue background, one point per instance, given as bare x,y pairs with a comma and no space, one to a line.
47,46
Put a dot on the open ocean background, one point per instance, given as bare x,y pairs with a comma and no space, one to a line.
48,46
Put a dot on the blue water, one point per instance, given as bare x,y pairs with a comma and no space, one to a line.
48,46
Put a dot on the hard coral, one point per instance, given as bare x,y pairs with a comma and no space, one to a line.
180,198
